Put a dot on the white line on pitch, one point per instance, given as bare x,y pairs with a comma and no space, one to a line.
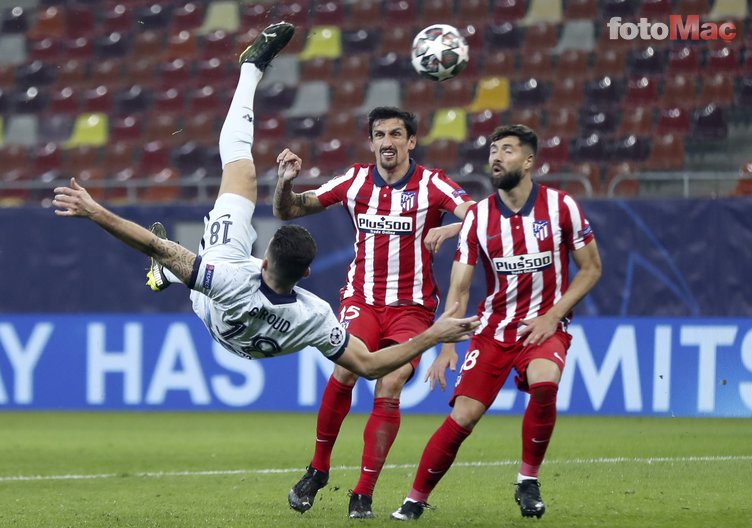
491,463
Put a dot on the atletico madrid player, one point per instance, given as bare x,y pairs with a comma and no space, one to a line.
396,207
523,235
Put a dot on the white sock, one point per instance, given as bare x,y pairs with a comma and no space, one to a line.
236,137
521,477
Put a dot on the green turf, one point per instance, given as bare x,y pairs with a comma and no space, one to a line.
234,470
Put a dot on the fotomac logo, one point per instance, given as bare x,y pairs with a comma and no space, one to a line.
678,28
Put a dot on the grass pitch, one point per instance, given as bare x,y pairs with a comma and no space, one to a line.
235,469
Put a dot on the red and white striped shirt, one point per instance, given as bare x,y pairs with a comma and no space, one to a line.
525,256
392,265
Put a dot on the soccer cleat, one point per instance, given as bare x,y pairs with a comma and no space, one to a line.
410,511
155,278
527,494
360,506
302,494
268,44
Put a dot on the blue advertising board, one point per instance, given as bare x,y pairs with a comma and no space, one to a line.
615,366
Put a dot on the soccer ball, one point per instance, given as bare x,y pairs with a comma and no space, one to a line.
439,52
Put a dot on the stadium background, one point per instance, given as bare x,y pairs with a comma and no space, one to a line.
652,137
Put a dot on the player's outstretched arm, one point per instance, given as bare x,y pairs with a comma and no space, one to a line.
447,328
287,203
75,201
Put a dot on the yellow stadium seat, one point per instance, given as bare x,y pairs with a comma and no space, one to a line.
728,9
492,94
89,129
543,11
322,41
448,123
2,131
221,14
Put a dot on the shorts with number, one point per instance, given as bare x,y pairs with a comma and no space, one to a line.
382,326
488,363
228,233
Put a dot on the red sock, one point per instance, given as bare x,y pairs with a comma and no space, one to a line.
538,426
378,437
335,404
438,456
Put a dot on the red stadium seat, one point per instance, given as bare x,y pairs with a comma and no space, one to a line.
562,122
473,11
667,153
679,90
330,13
683,60
187,17
126,129
567,92
540,36
580,10
673,120
642,91
638,121
717,89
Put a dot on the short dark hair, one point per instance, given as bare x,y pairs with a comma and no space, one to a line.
390,112
291,249
525,134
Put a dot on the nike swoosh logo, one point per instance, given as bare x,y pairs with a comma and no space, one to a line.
369,470
536,441
434,472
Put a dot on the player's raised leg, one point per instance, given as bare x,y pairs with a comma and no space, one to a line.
236,137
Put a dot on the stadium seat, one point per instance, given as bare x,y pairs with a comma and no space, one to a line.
187,17
448,123
311,99
117,18
80,20
220,15
571,63
625,186
536,65
111,45
679,90
456,92
35,73
273,99
107,73
504,35
482,123
723,60
71,73
31,100
499,63
673,120
656,9
419,95
692,7
342,126
493,94
181,45
392,66
381,92
610,61
543,11
333,156
322,41
132,100
44,49
330,13
554,150
626,9
218,43
433,11
175,73
97,99
709,123
304,127
728,9
442,154
591,148
580,10
79,159
318,69
603,92
397,40
347,96
295,12
473,11
638,120
165,128
600,121
55,128
364,13
666,153
683,60
49,22
562,122
716,89
47,158
15,20
64,101
743,93
529,93
567,92
647,61
576,35
360,40
744,183
630,148
509,10
126,129
89,129
81,48
540,36
530,117
642,91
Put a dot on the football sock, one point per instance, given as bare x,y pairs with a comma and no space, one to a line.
335,404
236,136
538,426
378,437
437,458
